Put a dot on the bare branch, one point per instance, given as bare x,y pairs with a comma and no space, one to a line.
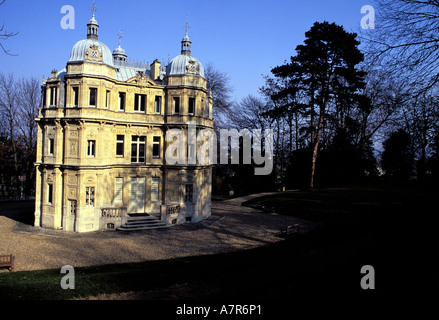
405,40
4,35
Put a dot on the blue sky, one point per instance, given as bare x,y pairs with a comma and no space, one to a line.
245,39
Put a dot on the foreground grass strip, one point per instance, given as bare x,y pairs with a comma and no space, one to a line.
92,281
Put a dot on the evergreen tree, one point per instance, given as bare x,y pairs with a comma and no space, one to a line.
325,70
397,158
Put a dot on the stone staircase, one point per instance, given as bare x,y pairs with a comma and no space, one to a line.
142,222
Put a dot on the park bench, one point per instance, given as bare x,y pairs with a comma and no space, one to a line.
7,261
261,207
291,229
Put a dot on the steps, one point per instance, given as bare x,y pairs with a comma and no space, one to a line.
142,222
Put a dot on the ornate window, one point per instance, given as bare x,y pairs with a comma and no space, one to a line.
138,149
155,189
156,147
120,139
188,197
53,96
50,193
75,98
51,146
158,104
118,190
91,148
93,97
191,110
177,105
121,101
107,99
90,196
140,102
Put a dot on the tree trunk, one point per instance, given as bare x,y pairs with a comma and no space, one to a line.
316,147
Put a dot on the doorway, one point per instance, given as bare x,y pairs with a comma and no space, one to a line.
71,215
137,195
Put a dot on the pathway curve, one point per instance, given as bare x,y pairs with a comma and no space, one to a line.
231,227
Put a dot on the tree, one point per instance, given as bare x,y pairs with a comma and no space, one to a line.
249,113
433,160
4,35
8,110
219,83
405,41
383,104
19,102
29,97
397,157
325,68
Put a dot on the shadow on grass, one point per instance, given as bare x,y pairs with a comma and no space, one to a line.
360,225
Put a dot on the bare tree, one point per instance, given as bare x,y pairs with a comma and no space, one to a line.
29,96
219,83
4,35
386,99
249,114
406,39
8,110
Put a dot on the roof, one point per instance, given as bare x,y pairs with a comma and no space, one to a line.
124,73
184,65
81,47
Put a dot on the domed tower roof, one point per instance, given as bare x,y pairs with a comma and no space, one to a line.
81,49
119,54
91,47
185,63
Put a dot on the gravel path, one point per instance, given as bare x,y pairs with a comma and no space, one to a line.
231,227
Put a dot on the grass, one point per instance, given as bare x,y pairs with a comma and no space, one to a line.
374,225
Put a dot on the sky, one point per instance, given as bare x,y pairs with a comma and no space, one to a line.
244,39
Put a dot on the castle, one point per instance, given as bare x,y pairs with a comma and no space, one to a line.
101,141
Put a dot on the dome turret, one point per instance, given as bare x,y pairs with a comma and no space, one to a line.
185,63
119,54
186,44
90,48
92,25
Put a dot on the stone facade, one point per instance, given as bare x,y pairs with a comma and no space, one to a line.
101,142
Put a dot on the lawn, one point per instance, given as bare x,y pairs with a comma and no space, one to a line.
375,225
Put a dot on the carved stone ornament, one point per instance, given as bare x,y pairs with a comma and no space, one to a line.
49,176
72,179
93,54
72,193
142,79
51,132
73,148
192,67
91,135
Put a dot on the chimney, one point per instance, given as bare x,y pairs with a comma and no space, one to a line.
155,69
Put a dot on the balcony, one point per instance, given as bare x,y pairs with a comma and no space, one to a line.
112,218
